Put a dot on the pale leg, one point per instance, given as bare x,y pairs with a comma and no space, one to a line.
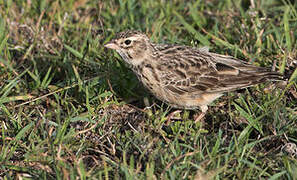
201,116
171,115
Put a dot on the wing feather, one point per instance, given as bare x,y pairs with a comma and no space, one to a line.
184,70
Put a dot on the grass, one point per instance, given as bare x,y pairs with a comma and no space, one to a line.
70,109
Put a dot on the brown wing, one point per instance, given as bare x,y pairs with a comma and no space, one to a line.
185,70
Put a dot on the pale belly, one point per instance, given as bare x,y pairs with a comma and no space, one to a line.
191,100
185,101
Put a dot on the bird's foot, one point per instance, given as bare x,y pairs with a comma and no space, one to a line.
200,117
171,115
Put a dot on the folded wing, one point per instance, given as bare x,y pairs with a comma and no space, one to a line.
193,71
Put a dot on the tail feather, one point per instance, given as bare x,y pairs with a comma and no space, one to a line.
245,75
245,80
270,76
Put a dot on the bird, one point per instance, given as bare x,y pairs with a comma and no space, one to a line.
185,77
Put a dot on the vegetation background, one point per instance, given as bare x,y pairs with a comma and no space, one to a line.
71,109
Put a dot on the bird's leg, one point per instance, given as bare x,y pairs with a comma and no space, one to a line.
171,115
202,114
199,117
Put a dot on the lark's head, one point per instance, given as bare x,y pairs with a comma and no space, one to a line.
133,46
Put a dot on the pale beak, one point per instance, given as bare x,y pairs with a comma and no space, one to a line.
112,45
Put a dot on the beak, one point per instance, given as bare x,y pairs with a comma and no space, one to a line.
111,45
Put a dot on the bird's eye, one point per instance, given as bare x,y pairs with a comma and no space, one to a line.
127,42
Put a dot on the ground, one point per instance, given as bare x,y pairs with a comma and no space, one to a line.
71,109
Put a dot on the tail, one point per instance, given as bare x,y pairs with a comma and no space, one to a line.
244,74
247,79
269,76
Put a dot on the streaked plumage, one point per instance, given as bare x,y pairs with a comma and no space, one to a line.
182,76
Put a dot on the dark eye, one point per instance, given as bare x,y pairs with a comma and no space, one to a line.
127,42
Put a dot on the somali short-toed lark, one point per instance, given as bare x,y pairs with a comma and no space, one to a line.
183,76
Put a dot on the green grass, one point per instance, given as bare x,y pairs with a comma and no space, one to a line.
69,108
